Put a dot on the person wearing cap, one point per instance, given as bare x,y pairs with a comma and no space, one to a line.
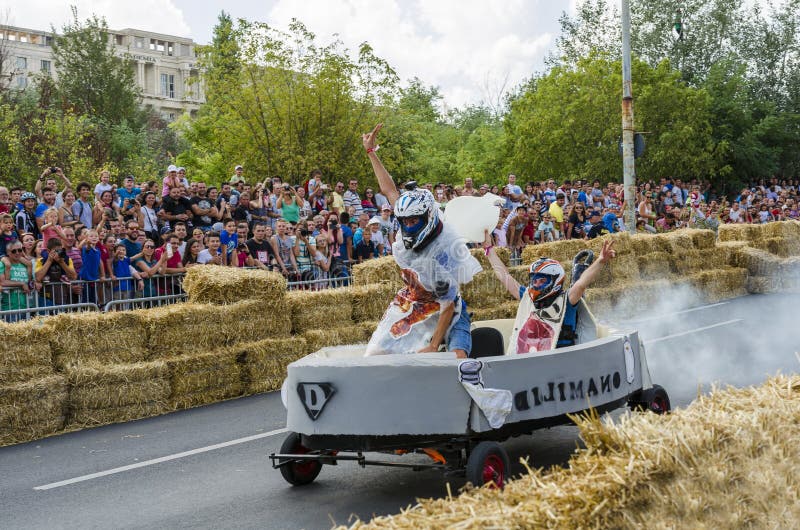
170,180
598,228
237,176
387,226
374,227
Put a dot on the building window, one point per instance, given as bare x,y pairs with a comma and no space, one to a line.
152,44
45,66
22,63
23,38
139,42
170,49
118,39
22,82
168,85
11,36
48,41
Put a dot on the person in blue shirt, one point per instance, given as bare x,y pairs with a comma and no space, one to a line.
229,241
346,248
91,268
128,197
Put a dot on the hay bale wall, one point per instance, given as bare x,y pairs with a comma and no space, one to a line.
227,285
316,309
263,363
203,378
90,337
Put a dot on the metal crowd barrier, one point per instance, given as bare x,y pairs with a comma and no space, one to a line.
78,295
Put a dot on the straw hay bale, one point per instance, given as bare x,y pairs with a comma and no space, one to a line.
702,239
116,337
773,245
371,301
719,284
758,262
207,377
32,409
505,310
264,363
226,285
679,240
763,284
312,309
102,394
654,265
741,232
621,270
252,320
724,461
784,229
339,336
641,244
24,352
377,270
563,251
485,290
182,328
726,250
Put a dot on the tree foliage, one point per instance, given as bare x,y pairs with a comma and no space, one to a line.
568,125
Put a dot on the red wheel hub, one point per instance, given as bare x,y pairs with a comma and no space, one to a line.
494,471
303,467
658,406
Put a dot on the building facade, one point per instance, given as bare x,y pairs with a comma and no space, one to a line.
164,65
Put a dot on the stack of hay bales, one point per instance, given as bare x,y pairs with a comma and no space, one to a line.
320,309
263,363
33,399
116,337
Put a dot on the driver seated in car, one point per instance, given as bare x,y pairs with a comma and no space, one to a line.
547,316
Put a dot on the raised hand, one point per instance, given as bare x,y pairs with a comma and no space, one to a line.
368,139
607,252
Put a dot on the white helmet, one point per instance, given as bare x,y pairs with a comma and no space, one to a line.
417,203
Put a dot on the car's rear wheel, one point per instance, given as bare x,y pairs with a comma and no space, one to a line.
654,399
488,464
298,472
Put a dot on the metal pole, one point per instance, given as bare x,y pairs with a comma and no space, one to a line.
628,172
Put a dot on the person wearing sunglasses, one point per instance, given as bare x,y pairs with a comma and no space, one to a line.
15,277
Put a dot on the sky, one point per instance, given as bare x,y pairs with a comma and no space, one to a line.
472,50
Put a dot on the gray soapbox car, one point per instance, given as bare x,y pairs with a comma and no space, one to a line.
342,405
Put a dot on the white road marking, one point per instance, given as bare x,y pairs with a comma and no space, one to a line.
667,315
154,461
689,332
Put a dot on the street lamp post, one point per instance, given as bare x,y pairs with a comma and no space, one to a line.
628,172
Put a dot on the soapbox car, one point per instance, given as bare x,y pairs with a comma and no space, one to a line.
342,405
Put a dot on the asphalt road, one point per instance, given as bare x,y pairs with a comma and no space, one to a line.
207,467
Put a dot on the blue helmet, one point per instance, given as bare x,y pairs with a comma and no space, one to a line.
417,203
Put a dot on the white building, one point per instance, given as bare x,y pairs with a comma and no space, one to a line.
164,65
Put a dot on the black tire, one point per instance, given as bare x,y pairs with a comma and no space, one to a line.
655,400
298,473
488,463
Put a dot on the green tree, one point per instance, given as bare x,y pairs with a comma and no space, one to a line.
92,79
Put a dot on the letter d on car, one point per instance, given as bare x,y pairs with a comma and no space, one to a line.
314,397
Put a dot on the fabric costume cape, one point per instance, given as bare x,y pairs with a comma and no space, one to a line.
432,277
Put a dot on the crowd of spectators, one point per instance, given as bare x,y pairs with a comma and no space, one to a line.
72,238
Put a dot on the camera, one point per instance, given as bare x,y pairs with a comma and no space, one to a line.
62,254
305,232
333,222
286,186
53,170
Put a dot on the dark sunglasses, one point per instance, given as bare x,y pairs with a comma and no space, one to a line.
15,251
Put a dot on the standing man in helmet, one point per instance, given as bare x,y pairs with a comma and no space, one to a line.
434,261
547,316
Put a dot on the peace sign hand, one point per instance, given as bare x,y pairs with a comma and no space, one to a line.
607,252
368,139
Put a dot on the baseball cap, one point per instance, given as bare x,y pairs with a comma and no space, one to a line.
238,167
171,168
181,168
594,213
374,221
386,207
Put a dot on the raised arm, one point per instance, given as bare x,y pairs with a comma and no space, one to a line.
588,276
500,270
384,178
